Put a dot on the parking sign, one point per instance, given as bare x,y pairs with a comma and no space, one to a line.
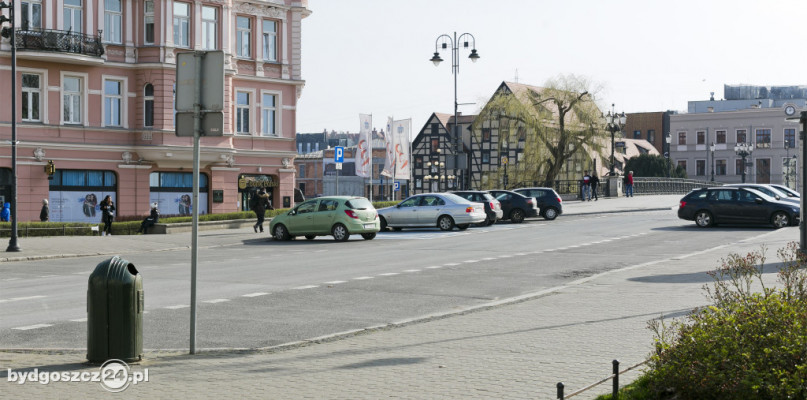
339,154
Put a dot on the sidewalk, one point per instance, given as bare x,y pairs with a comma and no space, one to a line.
38,248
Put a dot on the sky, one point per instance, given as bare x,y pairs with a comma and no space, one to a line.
372,56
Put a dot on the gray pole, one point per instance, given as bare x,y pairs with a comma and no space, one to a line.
802,228
197,128
12,243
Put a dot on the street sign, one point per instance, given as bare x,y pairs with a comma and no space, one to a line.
397,186
202,71
339,166
339,155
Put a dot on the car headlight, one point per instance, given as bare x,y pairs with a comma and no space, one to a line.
795,210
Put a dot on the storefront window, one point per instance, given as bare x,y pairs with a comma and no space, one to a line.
75,194
173,192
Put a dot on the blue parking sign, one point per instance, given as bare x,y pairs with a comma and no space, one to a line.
397,186
339,154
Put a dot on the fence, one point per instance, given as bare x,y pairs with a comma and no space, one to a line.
614,377
640,186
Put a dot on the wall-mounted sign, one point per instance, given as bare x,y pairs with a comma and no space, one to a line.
257,181
218,196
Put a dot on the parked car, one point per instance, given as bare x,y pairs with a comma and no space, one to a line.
516,206
767,189
735,205
339,216
549,201
443,210
493,208
790,192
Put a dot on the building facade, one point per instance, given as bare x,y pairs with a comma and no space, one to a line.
96,92
650,126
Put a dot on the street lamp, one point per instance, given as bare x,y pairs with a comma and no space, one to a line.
614,123
455,69
712,149
668,140
744,150
8,32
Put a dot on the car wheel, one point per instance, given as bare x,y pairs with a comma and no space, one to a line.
445,223
780,220
368,236
550,213
310,237
383,224
463,227
281,233
340,233
703,219
490,221
517,216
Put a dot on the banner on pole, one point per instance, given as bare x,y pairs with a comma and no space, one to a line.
389,160
403,165
364,149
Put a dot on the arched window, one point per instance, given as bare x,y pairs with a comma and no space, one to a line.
148,105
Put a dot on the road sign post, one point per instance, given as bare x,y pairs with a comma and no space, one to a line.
338,158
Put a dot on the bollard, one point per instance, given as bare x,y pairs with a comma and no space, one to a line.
616,380
560,390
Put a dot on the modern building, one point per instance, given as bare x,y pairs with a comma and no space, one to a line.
743,97
650,126
96,92
704,144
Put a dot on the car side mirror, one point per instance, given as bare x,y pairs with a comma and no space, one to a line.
398,205
778,198
293,212
758,200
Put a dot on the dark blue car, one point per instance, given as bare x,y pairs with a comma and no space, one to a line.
734,205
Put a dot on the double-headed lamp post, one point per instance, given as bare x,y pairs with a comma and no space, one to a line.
454,42
668,140
712,149
744,150
614,123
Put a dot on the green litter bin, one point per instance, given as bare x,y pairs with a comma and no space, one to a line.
115,312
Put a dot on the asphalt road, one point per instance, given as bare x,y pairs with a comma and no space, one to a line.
263,293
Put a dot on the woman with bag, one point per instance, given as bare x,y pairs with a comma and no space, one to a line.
107,215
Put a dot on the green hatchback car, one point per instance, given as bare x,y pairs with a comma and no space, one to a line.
339,216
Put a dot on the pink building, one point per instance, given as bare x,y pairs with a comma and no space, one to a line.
95,94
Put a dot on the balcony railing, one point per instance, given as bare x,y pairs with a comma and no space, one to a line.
60,41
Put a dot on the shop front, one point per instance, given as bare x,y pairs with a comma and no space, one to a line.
249,184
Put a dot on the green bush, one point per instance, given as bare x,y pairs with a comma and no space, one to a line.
749,344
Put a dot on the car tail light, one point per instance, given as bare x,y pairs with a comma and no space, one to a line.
529,201
351,214
376,216
469,209
683,203
559,199
492,206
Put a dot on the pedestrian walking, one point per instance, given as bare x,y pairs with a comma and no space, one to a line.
153,218
586,186
107,215
5,214
259,204
595,182
629,184
44,213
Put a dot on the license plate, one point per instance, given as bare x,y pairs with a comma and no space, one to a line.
369,226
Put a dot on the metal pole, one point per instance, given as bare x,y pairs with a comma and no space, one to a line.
455,60
197,128
615,391
802,228
12,243
613,132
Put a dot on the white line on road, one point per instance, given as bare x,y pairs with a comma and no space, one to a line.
434,267
29,327
390,274
450,264
47,276
361,278
22,298
79,320
214,301
255,294
470,261
411,270
335,282
9,279
305,287
177,307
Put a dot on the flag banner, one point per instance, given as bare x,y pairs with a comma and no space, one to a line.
364,150
401,129
389,160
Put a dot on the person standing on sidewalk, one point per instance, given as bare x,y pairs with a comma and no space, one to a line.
595,181
629,184
44,213
107,215
586,186
261,204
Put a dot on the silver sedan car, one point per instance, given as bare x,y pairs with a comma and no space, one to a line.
443,210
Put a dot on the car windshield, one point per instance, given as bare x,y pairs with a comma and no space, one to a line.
359,203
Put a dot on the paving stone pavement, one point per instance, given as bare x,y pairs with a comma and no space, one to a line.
516,350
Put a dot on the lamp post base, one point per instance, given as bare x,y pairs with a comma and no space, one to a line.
12,245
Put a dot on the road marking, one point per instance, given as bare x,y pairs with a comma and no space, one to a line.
79,320
470,261
10,279
450,264
255,294
335,282
22,298
214,301
177,307
305,287
361,278
83,273
488,258
434,267
390,274
520,254
505,256
29,327
47,276
411,270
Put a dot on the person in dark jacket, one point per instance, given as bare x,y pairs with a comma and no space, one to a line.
261,205
153,218
107,215
44,213
595,182
5,214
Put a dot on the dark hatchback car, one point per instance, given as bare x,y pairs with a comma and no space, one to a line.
734,205
549,201
516,206
493,208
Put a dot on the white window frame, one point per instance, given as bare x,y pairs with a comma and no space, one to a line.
276,109
242,49
82,93
113,19
30,92
122,97
182,37
269,41
32,23
148,19
210,27
240,108
69,14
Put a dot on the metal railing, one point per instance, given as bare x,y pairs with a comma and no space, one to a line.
60,41
614,377
649,186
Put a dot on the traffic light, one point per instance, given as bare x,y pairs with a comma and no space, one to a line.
6,31
50,169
